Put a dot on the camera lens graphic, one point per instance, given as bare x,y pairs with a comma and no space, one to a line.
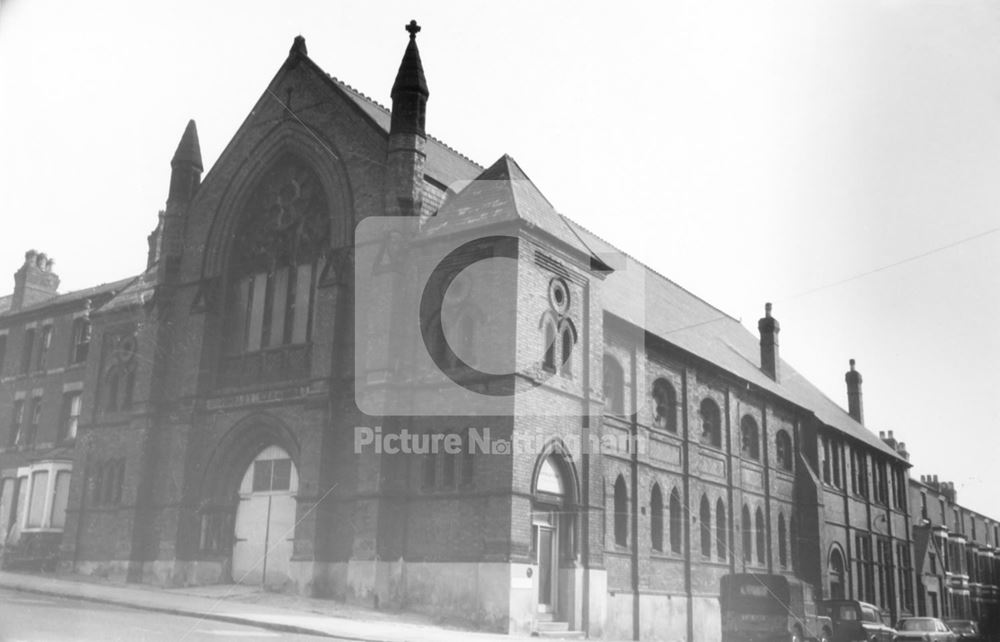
449,282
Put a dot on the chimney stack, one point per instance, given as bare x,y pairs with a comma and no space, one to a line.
854,404
770,361
35,281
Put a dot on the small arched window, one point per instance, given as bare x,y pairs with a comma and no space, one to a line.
614,386
664,405
621,512
746,528
549,362
783,448
711,423
705,524
656,518
836,575
761,537
721,545
568,336
782,541
749,438
676,522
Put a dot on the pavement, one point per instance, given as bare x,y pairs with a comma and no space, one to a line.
251,606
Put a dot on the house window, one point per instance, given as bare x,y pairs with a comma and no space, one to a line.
16,420
705,526
749,438
44,344
746,528
614,386
721,540
656,518
761,537
36,418
783,448
782,541
676,522
39,486
40,497
711,423
7,495
60,499
664,405
621,512
81,340
27,350
862,463
70,416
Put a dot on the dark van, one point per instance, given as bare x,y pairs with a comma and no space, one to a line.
855,621
758,607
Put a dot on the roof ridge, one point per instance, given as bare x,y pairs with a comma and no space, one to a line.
388,111
571,222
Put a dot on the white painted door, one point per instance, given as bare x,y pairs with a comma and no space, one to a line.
265,520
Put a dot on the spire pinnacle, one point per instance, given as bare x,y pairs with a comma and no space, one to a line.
413,28
188,150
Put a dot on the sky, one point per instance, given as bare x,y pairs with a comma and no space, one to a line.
749,151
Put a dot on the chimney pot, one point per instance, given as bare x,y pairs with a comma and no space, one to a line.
855,406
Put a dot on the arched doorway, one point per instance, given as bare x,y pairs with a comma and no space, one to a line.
552,528
264,526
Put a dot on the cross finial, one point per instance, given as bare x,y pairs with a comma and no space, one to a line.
413,28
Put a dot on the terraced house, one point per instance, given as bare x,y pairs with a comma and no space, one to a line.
197,422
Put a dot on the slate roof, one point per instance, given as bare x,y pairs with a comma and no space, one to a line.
502,193
444,164
67,297
649,300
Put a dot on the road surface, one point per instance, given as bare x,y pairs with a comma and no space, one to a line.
31,617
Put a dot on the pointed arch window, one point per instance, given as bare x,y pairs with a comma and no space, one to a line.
282,235
746,528
621,512
783,448
614,386
761,537
664,405
711,423
721,544
656,518
549,361
676,522
705,524
749,438
782,541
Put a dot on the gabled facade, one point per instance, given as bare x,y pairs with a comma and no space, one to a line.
225,389
955,550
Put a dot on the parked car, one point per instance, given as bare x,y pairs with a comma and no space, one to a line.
967,630
855,621
924,629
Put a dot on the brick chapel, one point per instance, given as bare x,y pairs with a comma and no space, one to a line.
195,422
